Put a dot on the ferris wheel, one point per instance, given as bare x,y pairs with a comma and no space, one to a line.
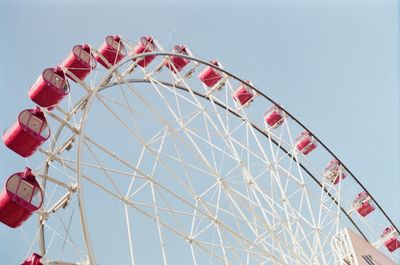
158,157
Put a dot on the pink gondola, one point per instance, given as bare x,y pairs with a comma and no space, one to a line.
146,44
305,143
335,172
80,61
210,76
113,50
34,259
29,131
390,237
20,198
175,63
244,95
274,117
50,88
363,204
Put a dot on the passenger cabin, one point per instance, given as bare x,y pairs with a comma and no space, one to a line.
391,238
79,62
210,76
176,63
363,204
34,259
244,95
113,50
305,143
334,172
29,131
20,198
274,117
50,88
146,44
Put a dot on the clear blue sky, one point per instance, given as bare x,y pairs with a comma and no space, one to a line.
333,64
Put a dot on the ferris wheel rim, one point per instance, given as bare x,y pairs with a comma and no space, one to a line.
100,87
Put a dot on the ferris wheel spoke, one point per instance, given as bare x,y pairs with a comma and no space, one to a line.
233,205
71,112
67,233
238,208
263,237
155,205
95,166
132,115
135,135
259,257
105,172
290,231
212,147
153,139
110,153
139,161
169,209
220,235
278,240
129,232
126,106
157,217
178,98
65,123
303,197
207,250
29,242
224,126
66,239
257,241
209,142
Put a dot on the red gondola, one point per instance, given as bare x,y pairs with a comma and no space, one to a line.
34,259
335,172
20,198
50,88
274,116
113,51
80,61
146,44
363,204
305,143
210,76
175,63
244,95
29,131
390,237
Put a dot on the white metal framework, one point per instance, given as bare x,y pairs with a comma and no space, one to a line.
148,166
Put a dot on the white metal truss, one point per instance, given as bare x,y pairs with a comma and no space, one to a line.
169,164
